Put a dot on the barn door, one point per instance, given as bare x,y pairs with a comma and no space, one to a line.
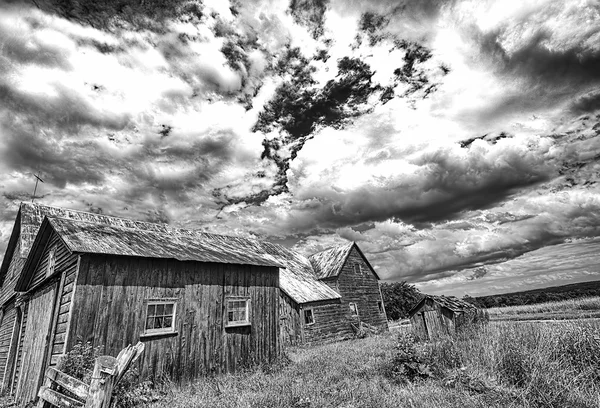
433,324
35,342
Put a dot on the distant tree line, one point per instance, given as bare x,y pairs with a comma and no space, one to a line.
399,298
557,293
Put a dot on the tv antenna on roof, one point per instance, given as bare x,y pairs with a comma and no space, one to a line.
37,180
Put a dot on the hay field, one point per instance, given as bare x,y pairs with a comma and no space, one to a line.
506,364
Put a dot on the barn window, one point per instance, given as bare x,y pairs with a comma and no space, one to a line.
357,268
160,316
238,311
309,318
353,309
380,306
51,262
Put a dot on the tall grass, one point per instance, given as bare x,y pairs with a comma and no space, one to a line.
563,307
501,365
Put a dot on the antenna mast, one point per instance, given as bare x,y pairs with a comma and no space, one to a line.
37,180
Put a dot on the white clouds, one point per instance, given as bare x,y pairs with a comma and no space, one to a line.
156,124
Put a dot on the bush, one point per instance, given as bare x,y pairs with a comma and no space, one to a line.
410,362
128,392
79,362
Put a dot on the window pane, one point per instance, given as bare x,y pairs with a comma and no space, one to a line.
168,322
149,323
158,322
151,310
230,316
169,309
160,310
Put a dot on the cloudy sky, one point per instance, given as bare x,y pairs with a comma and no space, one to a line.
457,142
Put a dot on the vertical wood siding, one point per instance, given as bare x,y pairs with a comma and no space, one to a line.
35,342
19,357
432,321
42,333
61,323
110,309
6,336
12,275
290,327
362,289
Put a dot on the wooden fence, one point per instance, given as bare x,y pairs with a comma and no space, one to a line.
108,371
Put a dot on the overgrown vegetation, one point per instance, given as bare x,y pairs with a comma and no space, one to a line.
128,393
561,310
500,365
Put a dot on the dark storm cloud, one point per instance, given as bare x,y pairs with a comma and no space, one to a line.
66,109
28,148
586,103
572,66
445,184
311,14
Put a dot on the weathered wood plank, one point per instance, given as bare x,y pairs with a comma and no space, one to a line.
73,385
57,399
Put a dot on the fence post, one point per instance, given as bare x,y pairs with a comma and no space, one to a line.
101,386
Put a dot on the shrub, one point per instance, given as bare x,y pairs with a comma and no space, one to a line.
79,362
128,392
410,362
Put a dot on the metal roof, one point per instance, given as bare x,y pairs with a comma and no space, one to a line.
329,263
98,233
160,242
449,302
32,215
298,280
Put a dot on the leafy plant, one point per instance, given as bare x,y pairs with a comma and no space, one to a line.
410,362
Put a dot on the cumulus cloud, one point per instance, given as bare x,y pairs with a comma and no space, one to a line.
454,140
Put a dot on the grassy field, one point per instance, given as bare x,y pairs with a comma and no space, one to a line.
562,310
506,364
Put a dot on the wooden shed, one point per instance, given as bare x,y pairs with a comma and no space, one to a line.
437,316
202,303
327,295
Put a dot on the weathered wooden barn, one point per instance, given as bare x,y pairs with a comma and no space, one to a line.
327,295
437,316
113,281
202,303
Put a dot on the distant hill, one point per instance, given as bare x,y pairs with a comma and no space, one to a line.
527,297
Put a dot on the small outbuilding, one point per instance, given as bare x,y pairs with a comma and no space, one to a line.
437,316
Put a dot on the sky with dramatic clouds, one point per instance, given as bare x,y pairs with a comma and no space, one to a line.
457,142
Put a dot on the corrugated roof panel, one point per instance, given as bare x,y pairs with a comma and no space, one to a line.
329,263
453,303
298,280
174,243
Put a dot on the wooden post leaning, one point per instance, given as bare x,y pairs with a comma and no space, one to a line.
101,386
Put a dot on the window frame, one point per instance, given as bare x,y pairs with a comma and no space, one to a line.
312,316
162,330
238,323
353,310
51,265
357,268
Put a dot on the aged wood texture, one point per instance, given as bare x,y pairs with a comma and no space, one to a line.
330,322
362,288
14,269
7,325
290,327
19,355
101,386
111,301
35,343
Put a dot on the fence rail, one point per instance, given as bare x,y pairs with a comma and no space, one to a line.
107,373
